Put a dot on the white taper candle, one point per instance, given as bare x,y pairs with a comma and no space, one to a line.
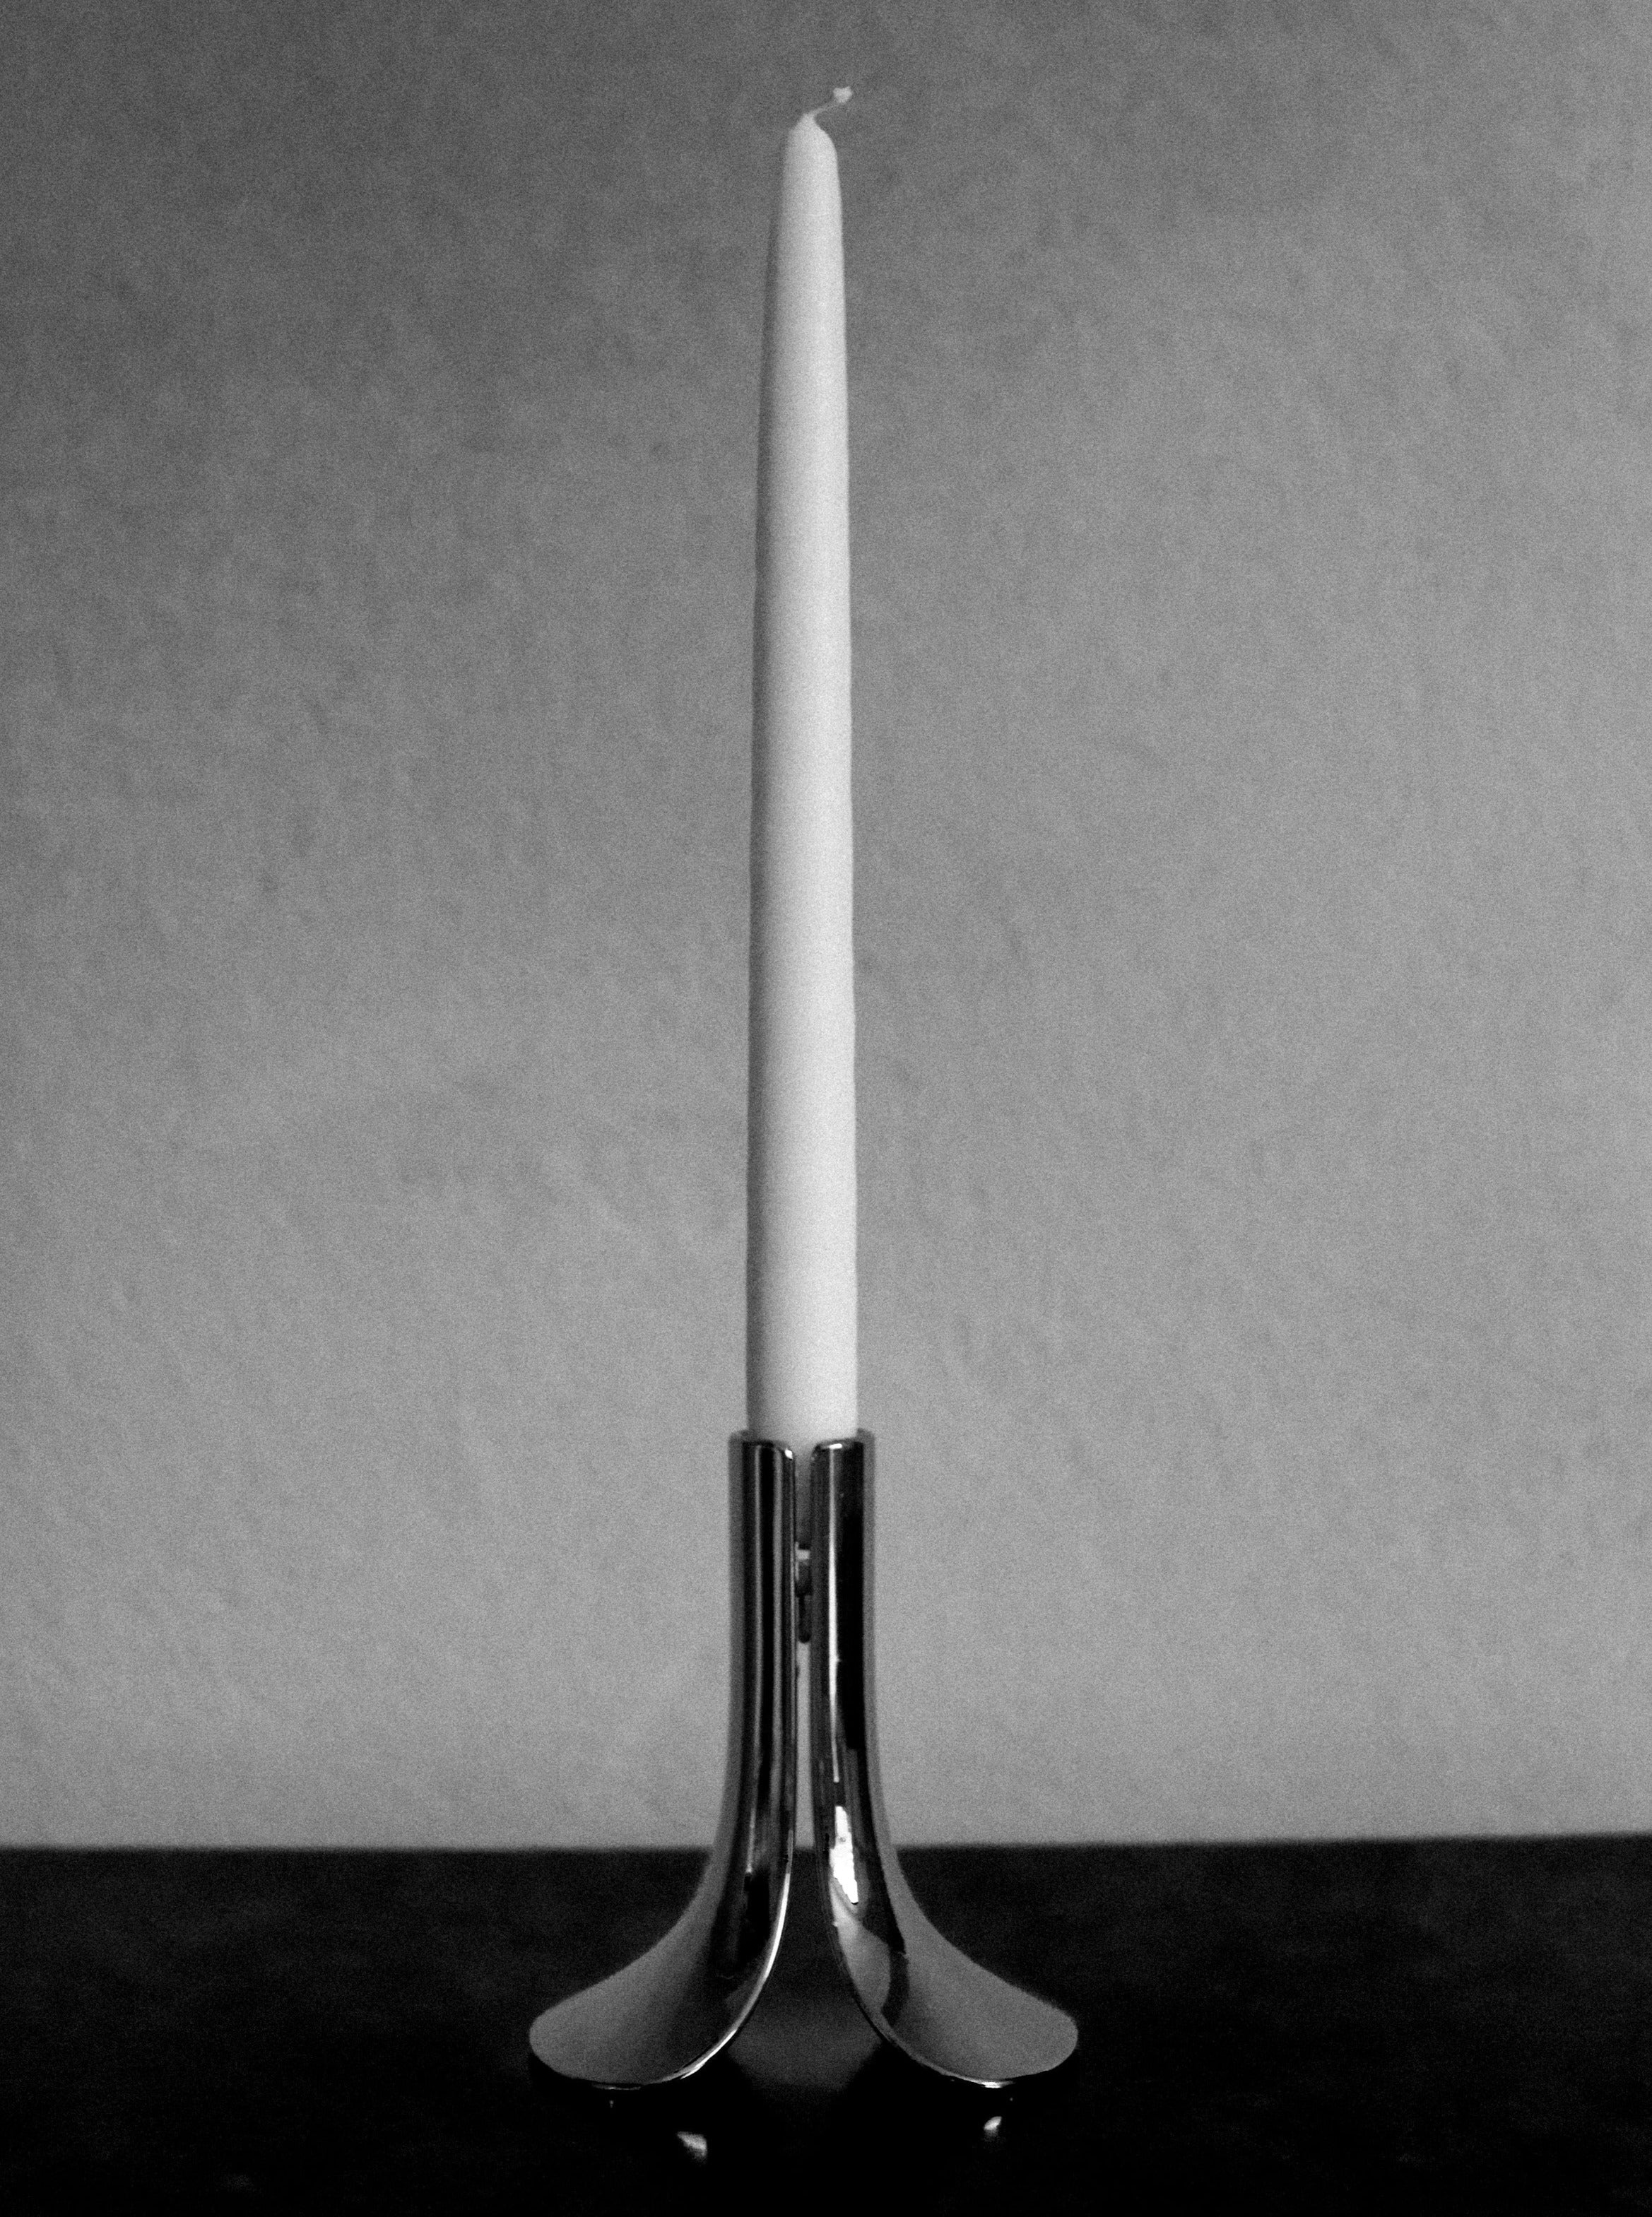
801,1353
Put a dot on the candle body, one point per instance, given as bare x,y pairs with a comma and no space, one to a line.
801,1351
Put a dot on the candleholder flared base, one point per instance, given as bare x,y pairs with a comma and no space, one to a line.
669,2012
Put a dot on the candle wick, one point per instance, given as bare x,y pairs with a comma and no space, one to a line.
840,95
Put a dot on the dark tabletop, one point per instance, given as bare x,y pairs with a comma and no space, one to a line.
1459,2025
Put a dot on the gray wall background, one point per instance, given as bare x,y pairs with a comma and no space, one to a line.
1251,415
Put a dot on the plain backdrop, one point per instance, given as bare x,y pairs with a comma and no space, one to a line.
1252,492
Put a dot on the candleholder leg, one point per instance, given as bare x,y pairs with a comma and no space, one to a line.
922,1994
673,2008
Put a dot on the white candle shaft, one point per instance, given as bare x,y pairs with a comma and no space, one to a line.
801,1276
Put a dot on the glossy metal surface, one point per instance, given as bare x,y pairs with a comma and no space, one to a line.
921,1993
670,2010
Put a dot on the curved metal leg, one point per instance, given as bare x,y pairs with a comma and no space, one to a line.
665,2015
921,1993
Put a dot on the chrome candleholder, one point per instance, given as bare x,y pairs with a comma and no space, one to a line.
672,2011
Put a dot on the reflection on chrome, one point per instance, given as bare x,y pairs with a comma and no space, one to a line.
842,1858
925,1996
665,2015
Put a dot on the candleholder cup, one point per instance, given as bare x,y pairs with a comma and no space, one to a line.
669,2012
